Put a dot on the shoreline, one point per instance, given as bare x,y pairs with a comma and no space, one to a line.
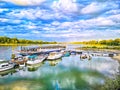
15,44
19,44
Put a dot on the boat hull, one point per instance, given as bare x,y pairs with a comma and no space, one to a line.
54,58
36,61
6,68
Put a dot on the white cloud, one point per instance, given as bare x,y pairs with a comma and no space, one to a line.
55,23
65,5
3,9
66,24
102,21
113,12
115,18
10,20
36,13
31,25
96,7
92,8
82,35
86,24
26,2
35,32
3,20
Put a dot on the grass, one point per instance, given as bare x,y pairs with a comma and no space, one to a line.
17,44
98,46
112,84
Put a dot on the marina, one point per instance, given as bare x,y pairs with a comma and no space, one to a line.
59,68
59,44
31,55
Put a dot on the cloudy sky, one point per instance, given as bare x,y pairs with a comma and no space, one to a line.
60,20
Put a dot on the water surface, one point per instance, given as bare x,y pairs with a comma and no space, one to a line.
67,73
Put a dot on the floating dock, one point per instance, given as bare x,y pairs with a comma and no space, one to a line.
28,50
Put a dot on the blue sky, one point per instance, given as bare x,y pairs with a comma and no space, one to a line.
60,20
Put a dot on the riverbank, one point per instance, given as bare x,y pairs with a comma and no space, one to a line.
17,44
100,50
23,44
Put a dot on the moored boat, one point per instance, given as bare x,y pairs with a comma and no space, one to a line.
6,66
19,60
66,54
36,59
54,55
86,56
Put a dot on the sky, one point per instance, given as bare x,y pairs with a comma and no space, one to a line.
60,20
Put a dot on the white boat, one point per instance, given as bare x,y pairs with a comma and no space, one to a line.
86,56
6,66
36,59
54,55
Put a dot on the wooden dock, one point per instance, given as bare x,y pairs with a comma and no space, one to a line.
28,50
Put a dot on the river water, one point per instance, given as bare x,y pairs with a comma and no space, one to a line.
67,73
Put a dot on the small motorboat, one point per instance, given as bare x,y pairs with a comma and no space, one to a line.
34,59
67,54
73,53
85,56
19,60
54,55
6,66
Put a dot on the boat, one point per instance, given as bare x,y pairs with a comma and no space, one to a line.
85,56
19,60
54,55
6,66
66,54
73,53
35,59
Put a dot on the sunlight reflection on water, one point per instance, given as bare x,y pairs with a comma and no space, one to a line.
70,73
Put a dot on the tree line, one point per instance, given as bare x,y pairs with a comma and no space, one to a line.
8,40
110,42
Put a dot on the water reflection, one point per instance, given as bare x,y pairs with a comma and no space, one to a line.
34,67
5,53
69,73
5,73
119,69
54,62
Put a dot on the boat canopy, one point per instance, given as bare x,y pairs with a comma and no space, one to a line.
32,56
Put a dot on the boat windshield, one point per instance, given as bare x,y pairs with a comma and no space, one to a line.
53,53
4,64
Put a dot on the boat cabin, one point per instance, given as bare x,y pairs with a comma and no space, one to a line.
4,65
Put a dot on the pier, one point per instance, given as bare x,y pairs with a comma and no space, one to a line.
28,50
